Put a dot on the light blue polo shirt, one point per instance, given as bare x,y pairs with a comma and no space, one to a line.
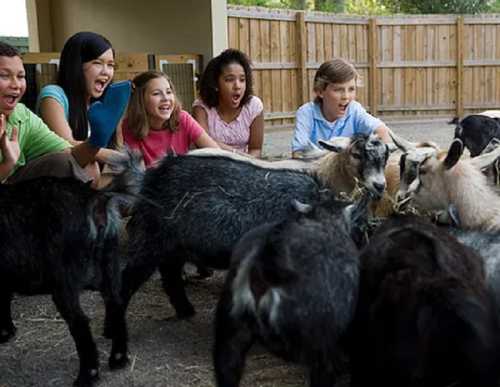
311,125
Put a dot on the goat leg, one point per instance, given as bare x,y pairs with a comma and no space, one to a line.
116,326
321,375
233,339
7,328
171,273
68,305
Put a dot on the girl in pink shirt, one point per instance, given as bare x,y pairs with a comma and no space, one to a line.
227,110
155,122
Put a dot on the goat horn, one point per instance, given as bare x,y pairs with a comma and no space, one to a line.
401,143
484,160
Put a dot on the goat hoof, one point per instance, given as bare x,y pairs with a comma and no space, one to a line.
185,311
7,333
87,380
118,360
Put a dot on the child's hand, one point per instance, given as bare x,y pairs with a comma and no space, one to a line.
104,116
9,147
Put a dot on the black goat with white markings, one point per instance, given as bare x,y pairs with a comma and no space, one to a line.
292,286
477,130
59,237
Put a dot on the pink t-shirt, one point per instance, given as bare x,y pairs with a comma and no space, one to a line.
158,142
237,132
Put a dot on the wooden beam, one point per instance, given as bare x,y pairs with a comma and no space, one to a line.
303,84
460,67
372,59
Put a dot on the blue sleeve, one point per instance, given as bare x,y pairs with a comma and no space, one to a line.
304,123
364,122
56,92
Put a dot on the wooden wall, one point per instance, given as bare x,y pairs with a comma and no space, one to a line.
411,66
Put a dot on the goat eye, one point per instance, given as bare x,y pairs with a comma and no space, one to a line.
356,156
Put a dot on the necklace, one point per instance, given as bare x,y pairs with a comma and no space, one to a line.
230,116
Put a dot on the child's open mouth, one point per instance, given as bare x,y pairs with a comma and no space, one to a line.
343,108
11,99
100,85
165,109
236,98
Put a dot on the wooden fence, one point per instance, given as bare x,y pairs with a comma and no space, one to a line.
411,67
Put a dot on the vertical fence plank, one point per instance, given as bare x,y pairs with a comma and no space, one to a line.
373,50
301,56
460,67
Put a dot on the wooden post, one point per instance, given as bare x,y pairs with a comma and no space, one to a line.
373,60
303,84
460,67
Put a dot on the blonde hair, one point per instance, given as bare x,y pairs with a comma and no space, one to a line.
137,116
337,70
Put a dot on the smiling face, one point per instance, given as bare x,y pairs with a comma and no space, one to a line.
232,85
12,83
98,73
159,101
336,97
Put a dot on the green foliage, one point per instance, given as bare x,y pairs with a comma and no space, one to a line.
444,6
367,7
495,7
381,7
258,3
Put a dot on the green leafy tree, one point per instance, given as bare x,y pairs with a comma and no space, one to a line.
367,7
330,5
444,6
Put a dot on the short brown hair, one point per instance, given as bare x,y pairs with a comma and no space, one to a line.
137,117
8,50
337,70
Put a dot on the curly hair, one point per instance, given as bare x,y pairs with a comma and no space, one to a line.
209,92
137,116
337,70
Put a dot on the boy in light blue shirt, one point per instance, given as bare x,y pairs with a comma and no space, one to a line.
334,112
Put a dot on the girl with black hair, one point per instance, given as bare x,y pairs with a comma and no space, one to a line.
227,110
86,69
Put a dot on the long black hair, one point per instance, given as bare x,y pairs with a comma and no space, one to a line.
209,80
80,48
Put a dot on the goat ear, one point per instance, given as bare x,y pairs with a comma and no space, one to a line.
392,147
401,143
454,153
301,207
337,144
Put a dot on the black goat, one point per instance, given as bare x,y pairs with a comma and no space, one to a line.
476,131
200,206
425,316
292,286
60,237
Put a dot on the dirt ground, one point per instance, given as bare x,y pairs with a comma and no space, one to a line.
164,351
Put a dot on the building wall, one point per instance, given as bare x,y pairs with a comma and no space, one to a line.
152,26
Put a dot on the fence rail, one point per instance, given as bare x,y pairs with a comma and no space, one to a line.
410,66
